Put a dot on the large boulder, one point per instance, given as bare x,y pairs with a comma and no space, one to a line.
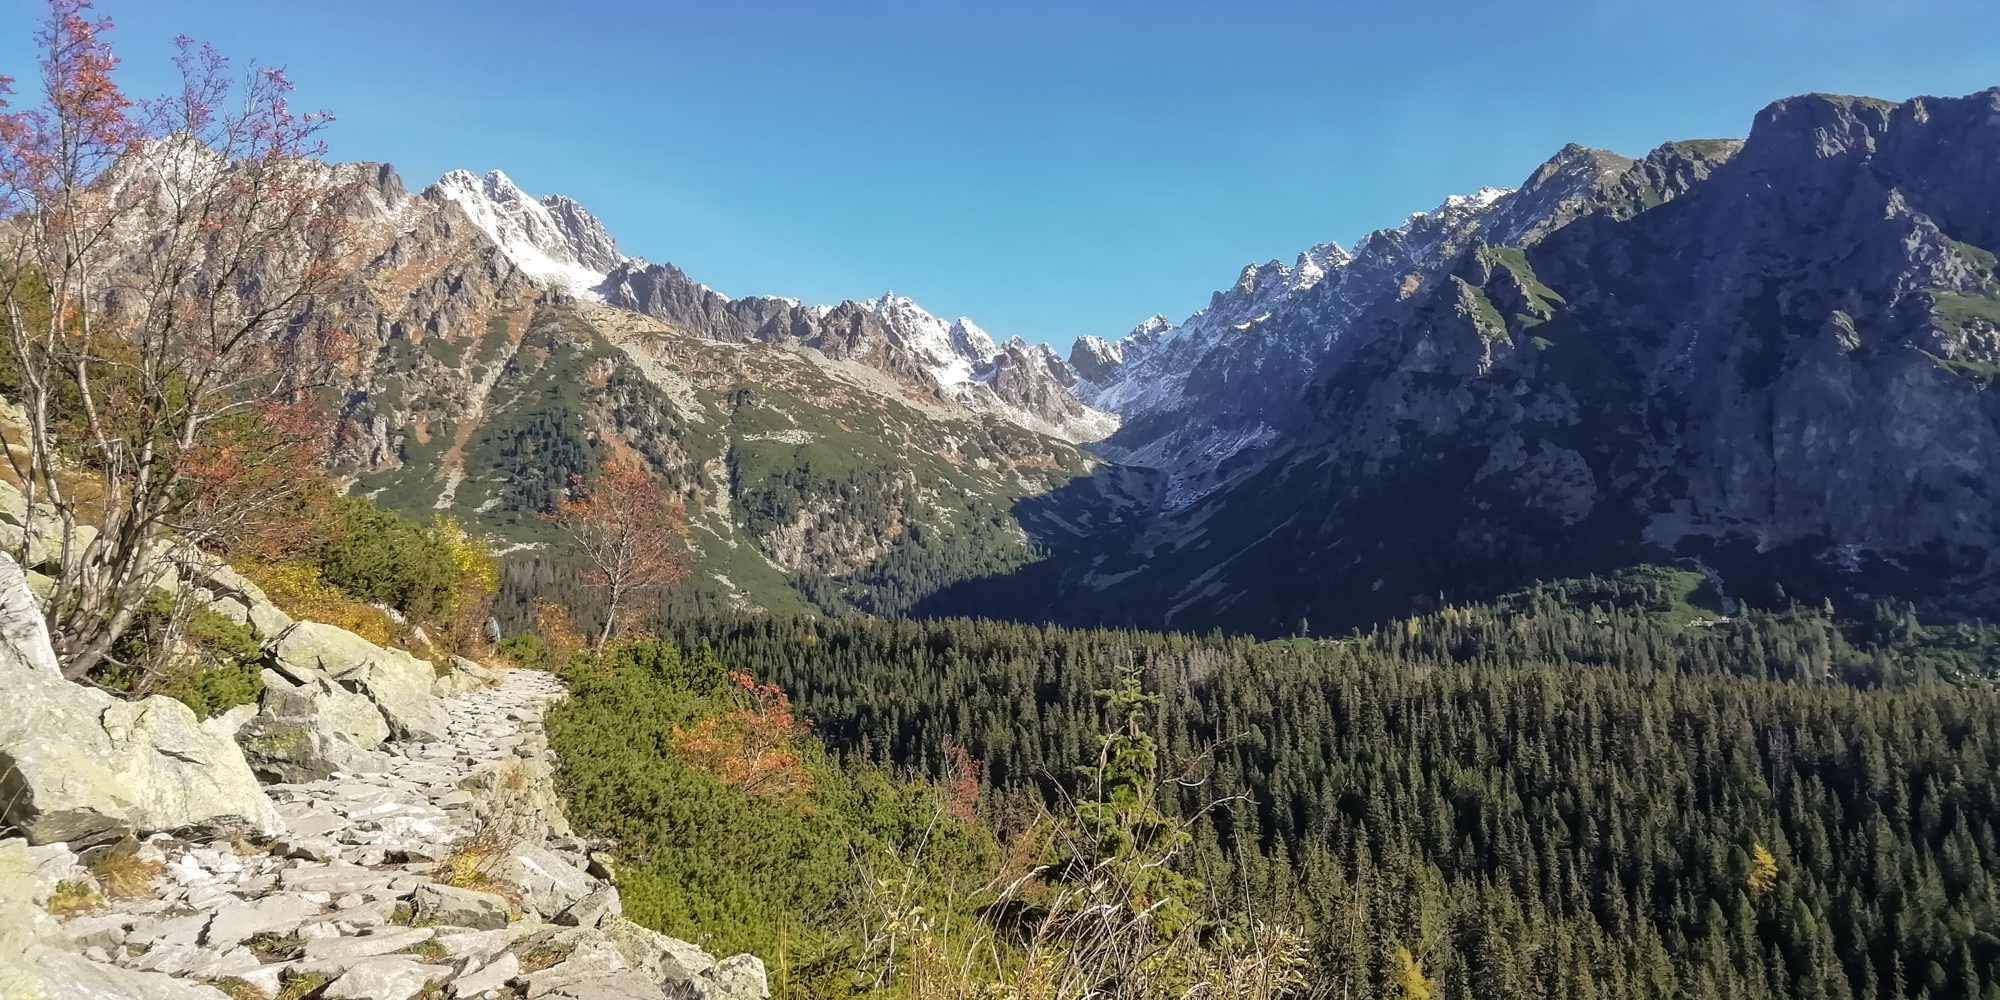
306,732
81,766
39,960
21,624
399,684
517,798
548,883
464,677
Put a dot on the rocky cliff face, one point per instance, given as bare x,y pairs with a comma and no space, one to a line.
1773,357
1206,401
841,452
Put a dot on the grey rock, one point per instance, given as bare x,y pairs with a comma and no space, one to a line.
21,624
739,977
13,506
461,907
664,958
307,731
590,910
516,797
587,960
482,945
628,985
278,913
103,930
381,943
386,977
53,865
502,971
399,684
550,884
464,677
336,878
87,767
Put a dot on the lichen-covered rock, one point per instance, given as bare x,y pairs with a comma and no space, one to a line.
464,677
80,766
739,977
517,797
550,884
399,684
455,907
664,958
306,732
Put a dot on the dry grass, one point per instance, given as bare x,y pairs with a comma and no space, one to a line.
429,951
538,957
470,866
237,989
298,986
123,874
298,591
72,898
272,947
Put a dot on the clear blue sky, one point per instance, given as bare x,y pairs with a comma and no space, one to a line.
1047,167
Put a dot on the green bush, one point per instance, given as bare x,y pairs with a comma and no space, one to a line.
219,665
705,861
527,651
376,555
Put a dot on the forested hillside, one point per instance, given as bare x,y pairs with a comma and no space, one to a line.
1594,789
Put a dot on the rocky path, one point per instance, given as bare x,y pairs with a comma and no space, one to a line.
448,873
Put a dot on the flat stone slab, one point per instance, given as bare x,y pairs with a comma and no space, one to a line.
338,879
379,943
461,907
389,977
274,914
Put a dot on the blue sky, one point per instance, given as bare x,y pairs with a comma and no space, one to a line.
1047,168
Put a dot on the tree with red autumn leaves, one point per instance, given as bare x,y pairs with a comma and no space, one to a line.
161,259
630,530
750,747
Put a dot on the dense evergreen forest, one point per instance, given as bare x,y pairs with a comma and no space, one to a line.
1592,788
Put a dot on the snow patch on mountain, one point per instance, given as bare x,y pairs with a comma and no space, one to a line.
1027,383
555,241
1264,336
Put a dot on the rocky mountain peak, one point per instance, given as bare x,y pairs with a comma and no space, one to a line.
588,241
1092,358
525,230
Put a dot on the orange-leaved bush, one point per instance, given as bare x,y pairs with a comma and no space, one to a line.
751,747
630,530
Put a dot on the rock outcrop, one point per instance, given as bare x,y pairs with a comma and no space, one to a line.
81,766
308,731
399,684
454,848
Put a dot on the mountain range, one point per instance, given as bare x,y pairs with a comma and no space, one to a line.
1767,359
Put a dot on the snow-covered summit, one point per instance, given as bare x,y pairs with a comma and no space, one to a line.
555,241
950,352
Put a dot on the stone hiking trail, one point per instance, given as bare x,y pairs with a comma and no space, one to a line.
347,893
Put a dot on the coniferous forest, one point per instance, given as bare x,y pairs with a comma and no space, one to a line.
1592,788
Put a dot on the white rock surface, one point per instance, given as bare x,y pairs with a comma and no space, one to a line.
92,767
